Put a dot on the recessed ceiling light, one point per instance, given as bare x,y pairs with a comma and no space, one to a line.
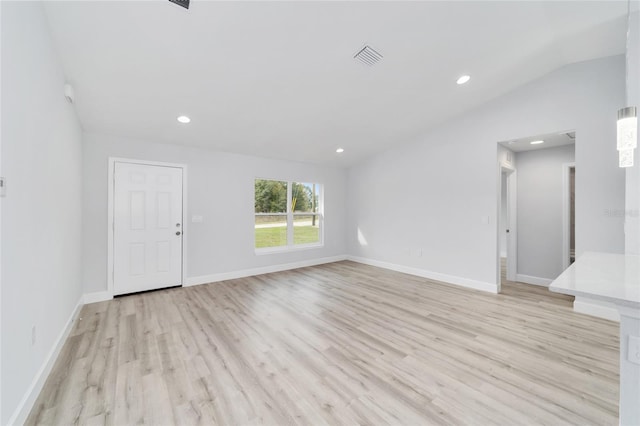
339,150
463,79
184,119
536,142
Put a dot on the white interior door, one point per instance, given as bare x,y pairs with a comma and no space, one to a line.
147,227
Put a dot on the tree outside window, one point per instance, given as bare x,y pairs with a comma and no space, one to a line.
287,214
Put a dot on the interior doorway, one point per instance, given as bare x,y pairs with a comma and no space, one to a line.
536,230
568,215
507,225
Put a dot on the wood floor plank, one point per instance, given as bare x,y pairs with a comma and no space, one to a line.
337,344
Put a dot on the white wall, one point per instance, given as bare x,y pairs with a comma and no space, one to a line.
1,170
220,188
41,215
630,389
437,193
632,225
540,210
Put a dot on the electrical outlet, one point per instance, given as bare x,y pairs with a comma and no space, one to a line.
633,349
33,335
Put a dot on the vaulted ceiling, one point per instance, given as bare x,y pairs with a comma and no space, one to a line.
278,79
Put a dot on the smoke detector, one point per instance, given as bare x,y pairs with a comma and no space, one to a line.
368,56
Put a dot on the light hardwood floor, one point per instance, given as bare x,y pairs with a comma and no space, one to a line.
342,343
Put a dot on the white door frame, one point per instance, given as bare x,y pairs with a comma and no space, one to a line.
110,215
512,239
566,211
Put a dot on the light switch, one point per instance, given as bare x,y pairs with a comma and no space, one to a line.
3,187
196,218
633,349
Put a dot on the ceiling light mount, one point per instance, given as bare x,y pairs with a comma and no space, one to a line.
69,93
340,150
184,119
536,142
463,79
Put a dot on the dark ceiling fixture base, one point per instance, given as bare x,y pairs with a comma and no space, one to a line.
183,3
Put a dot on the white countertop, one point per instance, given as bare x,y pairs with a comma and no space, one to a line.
602,276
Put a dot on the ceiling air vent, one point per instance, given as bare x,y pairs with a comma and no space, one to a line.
368,56
183,3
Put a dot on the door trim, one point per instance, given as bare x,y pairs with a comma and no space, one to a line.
566,211
512,209
110,215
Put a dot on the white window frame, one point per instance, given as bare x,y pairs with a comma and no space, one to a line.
289,214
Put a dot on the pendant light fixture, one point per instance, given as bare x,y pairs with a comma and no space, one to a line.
627,128
627,135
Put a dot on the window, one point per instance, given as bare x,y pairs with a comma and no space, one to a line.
287,214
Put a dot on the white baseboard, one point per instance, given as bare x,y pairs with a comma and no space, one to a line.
528,279
26,403
205,279
450,279
596,309
98,296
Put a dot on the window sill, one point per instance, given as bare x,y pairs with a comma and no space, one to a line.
276,250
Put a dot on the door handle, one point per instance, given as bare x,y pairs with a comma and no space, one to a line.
178,233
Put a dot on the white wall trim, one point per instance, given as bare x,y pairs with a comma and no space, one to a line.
26,403
110,218
601,309
447,279
98,296
205,279
528,279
